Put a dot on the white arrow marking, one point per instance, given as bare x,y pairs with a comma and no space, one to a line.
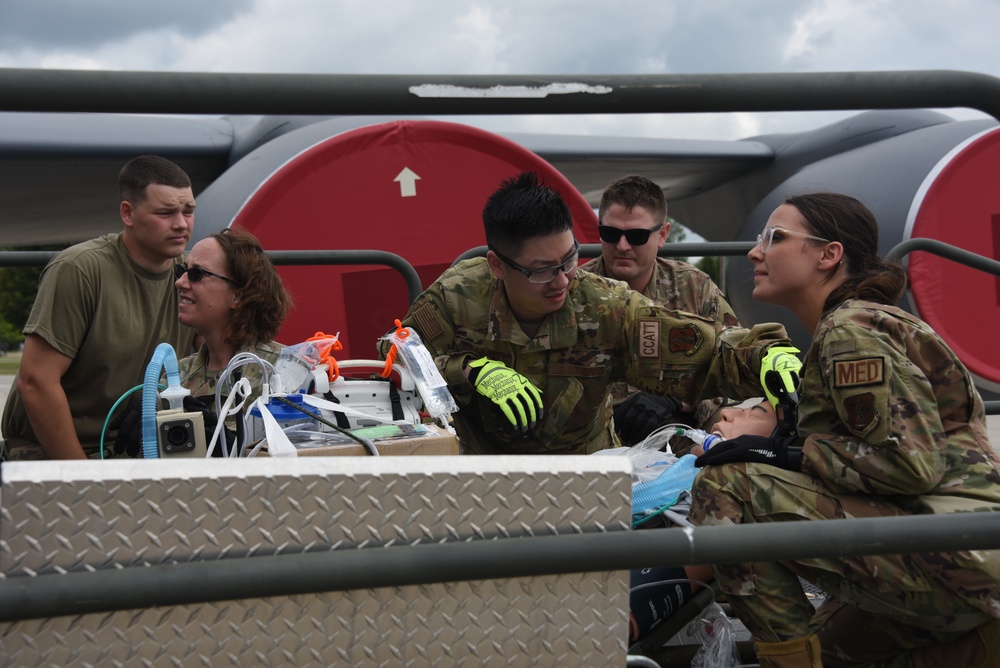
407,183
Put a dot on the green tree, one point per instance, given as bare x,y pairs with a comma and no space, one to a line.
711,265
18,286
677,234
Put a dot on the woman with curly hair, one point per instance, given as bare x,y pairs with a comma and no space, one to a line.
231,294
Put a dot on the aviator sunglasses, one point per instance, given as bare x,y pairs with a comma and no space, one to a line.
636,237
195,274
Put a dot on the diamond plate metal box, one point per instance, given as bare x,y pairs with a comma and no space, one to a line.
66,517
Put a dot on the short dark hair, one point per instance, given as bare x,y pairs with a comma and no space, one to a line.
264,302
139,173
838,217
523,207
631,191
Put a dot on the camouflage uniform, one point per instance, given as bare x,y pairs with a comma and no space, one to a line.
602,333
681,286
893,425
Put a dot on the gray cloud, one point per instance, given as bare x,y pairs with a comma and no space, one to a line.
40,25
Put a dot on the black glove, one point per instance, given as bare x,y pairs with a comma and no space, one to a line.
129,439
782,451
641,414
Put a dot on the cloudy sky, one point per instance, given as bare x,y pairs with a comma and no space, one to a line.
515,37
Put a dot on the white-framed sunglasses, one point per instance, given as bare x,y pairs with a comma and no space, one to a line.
769,235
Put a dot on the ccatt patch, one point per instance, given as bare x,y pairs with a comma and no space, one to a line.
649,339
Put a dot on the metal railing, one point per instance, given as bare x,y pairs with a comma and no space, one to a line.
200,93
287,257
437,94
313,572
414,288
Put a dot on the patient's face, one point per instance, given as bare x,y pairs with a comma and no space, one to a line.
758,420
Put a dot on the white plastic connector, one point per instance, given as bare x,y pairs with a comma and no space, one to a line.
175,396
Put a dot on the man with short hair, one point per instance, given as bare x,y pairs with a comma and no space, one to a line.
529,346
103,306
633,224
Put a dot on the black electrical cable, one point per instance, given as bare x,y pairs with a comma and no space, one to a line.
367,443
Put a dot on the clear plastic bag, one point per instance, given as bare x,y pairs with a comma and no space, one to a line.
295,363
714,630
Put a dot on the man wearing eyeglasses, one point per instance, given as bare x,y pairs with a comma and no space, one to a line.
633,224
102,308
529,346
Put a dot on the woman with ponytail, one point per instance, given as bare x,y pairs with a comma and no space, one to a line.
889,424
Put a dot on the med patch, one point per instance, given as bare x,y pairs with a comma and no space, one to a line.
859,372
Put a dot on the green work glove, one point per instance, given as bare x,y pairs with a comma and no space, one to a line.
780,359
519,400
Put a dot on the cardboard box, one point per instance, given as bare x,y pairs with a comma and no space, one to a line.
390,440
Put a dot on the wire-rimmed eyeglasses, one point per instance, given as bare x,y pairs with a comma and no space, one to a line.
544,274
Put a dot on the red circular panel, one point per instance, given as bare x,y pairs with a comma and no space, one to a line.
961,207
356,191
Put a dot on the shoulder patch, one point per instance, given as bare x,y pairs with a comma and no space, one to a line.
427,322
730,320
862,416
649,339
859,372
685,340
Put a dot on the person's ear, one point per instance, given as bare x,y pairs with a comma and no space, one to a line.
832,256
495,264
662,234
125,210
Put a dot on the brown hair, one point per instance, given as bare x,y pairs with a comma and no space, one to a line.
632,191
842,218
264,302
139,173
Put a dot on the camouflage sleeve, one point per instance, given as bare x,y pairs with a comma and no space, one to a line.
862,400
692,357
735,372
428,315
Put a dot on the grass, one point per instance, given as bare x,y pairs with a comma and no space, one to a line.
9,364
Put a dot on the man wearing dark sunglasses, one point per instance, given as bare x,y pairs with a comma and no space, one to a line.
102,308
633,224
529,346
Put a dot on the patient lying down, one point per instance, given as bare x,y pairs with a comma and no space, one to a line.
656,593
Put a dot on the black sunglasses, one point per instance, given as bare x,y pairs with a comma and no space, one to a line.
195,274
636,237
